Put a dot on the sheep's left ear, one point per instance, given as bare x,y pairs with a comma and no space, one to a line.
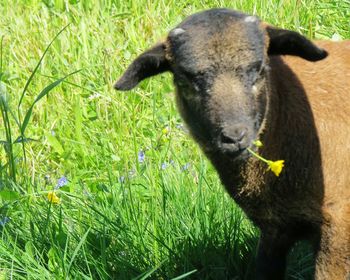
150,63
292,43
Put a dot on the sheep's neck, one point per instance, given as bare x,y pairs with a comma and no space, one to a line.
289,134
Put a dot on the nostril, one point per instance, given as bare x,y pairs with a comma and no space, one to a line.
227,140
234,137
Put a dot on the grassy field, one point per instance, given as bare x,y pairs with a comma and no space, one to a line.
137,199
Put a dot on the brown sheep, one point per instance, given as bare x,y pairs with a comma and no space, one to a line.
235,85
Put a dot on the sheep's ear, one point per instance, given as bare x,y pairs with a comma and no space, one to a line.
292,43
150,63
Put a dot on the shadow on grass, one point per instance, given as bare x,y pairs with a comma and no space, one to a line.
216,261
220,261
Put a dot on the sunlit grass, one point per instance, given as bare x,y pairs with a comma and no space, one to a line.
119,217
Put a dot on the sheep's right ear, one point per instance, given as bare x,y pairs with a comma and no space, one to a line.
292,43
150,63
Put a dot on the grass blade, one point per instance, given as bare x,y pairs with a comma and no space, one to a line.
43,93
1,43
148,273
37,66
81,242
184,275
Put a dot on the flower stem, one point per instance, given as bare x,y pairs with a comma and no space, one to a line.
257,156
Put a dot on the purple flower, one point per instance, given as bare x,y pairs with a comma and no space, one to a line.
182,127
164,165
185,167
4,221
61,182
141,156
121,179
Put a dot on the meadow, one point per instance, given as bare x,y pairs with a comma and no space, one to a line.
100,184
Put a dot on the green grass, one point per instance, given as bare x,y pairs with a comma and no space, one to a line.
118,218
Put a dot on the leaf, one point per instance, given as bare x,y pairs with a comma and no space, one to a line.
9,195
3,89
54,143
62,239
29,248
52,263
26,120
43,93
37,66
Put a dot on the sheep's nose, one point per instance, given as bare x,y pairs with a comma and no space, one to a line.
234,138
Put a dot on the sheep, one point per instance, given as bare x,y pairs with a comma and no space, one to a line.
239,79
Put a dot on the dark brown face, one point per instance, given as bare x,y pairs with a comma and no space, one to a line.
219,61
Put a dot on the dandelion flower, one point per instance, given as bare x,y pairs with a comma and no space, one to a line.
275,166
165,130
53,198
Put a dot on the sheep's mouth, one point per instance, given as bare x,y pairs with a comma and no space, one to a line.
240,154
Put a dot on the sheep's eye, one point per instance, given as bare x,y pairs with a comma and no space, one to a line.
255,71
196,85
257,66
187,94
262,69
189,75
196,80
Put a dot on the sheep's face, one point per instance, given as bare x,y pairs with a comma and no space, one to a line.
218,58
218,61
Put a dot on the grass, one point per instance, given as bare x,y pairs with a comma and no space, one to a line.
119,217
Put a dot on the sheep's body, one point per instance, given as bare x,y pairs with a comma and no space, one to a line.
309,124
233,87
328,92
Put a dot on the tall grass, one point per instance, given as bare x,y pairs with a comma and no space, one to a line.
122,215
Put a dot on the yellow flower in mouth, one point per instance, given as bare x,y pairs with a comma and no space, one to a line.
275,166
53,198
258,143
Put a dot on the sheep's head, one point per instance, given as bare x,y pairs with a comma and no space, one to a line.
219,62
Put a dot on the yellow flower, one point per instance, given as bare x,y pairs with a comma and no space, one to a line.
276,166
165,130
53,198
258,143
